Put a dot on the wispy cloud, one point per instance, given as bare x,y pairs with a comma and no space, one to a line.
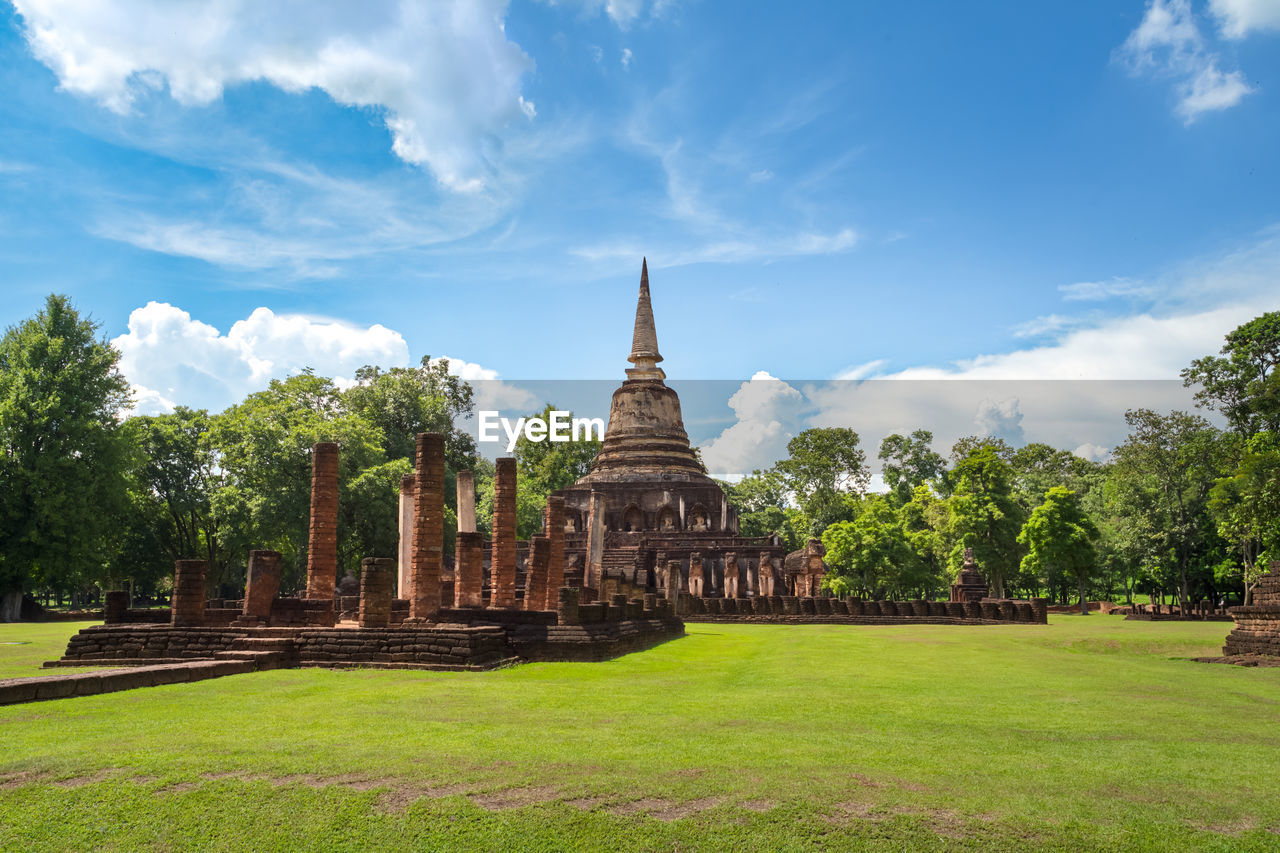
1168,44
1097,291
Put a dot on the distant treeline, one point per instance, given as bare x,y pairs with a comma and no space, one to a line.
91,499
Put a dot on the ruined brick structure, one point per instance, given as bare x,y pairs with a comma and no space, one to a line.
322,545
970,585
1257,625
653,501
428,528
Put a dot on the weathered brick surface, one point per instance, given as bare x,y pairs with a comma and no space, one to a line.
1257,626
502,563
468,570
115,606
428,528
187,602
262,584
322,544
535,595
377,576
555,555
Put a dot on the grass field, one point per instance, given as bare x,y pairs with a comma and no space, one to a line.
1091,732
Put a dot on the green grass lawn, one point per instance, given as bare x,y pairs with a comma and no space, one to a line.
24,646
1091,732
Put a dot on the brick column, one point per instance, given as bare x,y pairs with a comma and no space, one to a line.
535,593
375,591
115,606
554,515
502,559
673,583
593,574
187,602
567,607
428,528
404,554
468,572
466,502
322,546
263,583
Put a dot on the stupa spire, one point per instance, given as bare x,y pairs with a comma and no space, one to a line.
644,340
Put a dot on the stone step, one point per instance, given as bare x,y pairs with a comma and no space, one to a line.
280,644
262,659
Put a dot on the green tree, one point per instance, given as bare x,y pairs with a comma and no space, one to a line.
61,454
871,553
1161,477
551,465
1246,507
1243,382
826,471
908,462
1060,536
983,514
761,504
264,445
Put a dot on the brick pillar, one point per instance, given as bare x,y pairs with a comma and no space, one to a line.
567,606
593,574
468,573
502,560
263,583
1040,609
322,546
404,554
555,552
466,502
115,606
428,528
376,574
187,602
673,582
535,594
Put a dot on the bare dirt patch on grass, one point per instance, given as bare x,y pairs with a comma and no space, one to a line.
515,798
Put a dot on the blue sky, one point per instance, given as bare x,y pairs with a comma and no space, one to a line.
992,190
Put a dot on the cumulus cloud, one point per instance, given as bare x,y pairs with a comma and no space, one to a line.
1000,419
1238,17
768,412
171,358
443,76
1167,43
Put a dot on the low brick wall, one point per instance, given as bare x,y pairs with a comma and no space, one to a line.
452,646
591,642
147,642
802,610
108,681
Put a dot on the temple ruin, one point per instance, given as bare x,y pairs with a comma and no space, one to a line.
643,539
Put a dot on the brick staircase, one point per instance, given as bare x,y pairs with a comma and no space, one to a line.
265,652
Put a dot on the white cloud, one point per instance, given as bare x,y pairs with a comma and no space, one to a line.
861,371
1102,290
1092,452
768,412
1211,89
1047,324
626,57
1001,419
1238,17
171,358
1168,43
443,75
729,251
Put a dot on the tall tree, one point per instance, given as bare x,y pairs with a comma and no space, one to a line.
827,471
61,456
264,446
761,503
1161,477
983,514
871,555
1243,382
908,462
1245,505
1059,536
